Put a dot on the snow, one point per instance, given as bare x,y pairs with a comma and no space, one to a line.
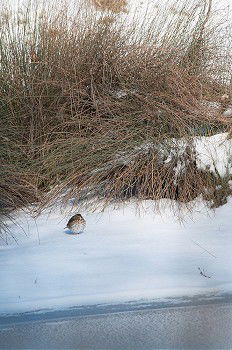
123,255
214,153
228,112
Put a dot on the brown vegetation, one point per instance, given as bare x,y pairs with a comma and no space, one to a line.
115,6
93,107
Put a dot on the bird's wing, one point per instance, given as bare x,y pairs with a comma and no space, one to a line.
71,220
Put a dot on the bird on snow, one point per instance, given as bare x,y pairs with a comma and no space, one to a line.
76,224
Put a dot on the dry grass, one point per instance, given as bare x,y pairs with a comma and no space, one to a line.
80,96
115,6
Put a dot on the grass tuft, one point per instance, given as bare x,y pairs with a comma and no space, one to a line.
105,108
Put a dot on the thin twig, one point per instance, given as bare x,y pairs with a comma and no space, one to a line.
203,249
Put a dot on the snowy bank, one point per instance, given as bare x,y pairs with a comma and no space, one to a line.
122,256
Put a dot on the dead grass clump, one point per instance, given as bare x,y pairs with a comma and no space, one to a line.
150,176
165,170
16,192
219,190
82,98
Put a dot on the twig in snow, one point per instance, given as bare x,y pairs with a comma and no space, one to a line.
202,273
37,231
203,248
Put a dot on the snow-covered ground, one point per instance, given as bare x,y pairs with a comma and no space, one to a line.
123,255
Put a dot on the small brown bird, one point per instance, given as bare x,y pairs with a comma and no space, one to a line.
76,224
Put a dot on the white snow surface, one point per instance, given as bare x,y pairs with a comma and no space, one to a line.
215,153
123,255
